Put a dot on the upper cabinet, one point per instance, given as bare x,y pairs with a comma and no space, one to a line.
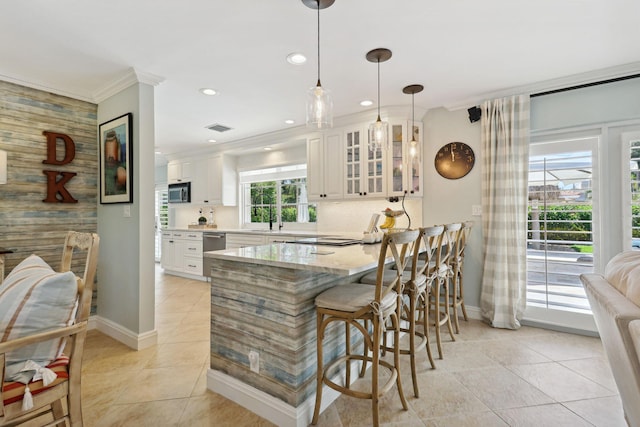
324,174
405,170
215,181
364,173
365,170
179,171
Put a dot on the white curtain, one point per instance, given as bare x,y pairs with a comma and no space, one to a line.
505,162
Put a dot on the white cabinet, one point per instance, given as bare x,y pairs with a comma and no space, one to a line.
182,252
405,170
324,174
179,171
215,181
365,170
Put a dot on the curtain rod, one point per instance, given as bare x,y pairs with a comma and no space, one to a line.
602,82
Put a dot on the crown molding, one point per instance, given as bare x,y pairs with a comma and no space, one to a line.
549,85
44,88
129,78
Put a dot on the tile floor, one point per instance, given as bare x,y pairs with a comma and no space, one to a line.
488,377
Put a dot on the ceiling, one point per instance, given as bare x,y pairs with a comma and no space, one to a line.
460,50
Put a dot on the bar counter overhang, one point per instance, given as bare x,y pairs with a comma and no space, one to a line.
262,300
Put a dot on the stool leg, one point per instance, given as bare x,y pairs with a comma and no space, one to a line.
396,356
446,309
374,369
455,299
412,340
436,315
461,296
347,344
320,369
425,326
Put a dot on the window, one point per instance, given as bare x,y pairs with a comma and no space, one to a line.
162,218
561,240
276,194
631,154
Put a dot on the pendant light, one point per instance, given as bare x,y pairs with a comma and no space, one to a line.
319,102
414,146
379,130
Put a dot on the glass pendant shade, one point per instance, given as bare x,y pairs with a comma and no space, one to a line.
319,102
414,145
319,108
378,135
378,130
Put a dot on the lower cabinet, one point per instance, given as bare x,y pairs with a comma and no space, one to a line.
182,252
244,240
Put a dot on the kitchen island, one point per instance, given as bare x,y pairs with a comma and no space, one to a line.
262,303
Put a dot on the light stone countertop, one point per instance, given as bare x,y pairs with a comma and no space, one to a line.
339,260
264,232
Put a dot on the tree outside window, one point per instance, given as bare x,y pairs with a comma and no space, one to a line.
285,200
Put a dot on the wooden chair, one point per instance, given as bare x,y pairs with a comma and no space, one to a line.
354,304
67,385
457,264
417,285
441,269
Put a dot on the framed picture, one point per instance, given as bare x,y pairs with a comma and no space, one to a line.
116,166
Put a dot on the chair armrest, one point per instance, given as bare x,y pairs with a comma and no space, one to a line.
67,331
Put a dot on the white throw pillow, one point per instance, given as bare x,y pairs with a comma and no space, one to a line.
35,299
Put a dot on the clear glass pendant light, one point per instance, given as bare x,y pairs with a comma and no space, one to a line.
414,145
319,102
378,130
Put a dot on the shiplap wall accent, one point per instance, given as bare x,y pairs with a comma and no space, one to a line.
27,224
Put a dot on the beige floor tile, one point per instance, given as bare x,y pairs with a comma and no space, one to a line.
510,352
483,419
461,356
442,395
554,415
211,410
499,388
602,412
560,346
200,387
559,382
164,413
596,369
160,384
179,354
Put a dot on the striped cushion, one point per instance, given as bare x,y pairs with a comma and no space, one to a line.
14,391
35,299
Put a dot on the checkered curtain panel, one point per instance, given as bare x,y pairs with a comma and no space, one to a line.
505,163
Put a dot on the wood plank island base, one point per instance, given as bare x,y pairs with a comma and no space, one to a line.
262,301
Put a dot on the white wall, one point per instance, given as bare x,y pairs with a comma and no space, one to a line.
447,201
126,266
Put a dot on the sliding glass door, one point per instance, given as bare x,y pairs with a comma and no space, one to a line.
562,239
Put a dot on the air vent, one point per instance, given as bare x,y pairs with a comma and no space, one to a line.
218,128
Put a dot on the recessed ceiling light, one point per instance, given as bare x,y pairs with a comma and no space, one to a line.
296,58
366,103
211,140
208,91
268,148
289,121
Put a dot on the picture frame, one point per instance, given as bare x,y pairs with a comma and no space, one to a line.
116,161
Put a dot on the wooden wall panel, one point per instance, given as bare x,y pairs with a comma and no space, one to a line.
27,224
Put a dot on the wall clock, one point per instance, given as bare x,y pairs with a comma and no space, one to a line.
454,160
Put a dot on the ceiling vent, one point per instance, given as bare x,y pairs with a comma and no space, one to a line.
218,128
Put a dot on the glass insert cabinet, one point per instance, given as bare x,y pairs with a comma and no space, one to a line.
364,169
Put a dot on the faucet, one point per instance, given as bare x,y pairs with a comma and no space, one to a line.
278,220
280,224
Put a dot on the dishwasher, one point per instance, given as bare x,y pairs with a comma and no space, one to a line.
212,241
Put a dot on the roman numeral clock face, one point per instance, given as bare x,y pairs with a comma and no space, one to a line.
454,160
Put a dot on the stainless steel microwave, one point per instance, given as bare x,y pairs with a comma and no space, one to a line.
180,192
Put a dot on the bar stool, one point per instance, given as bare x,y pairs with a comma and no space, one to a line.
353,303
417,284
442,270
457,264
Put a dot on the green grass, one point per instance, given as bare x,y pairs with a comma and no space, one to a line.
586,249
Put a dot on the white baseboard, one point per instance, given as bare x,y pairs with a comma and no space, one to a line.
186,275
124,335
269,407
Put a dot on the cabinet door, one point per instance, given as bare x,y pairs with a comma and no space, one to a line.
353,149
324,173
332,169
374,181
315,168
174,172
200,183
168,259
223,182
406,171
